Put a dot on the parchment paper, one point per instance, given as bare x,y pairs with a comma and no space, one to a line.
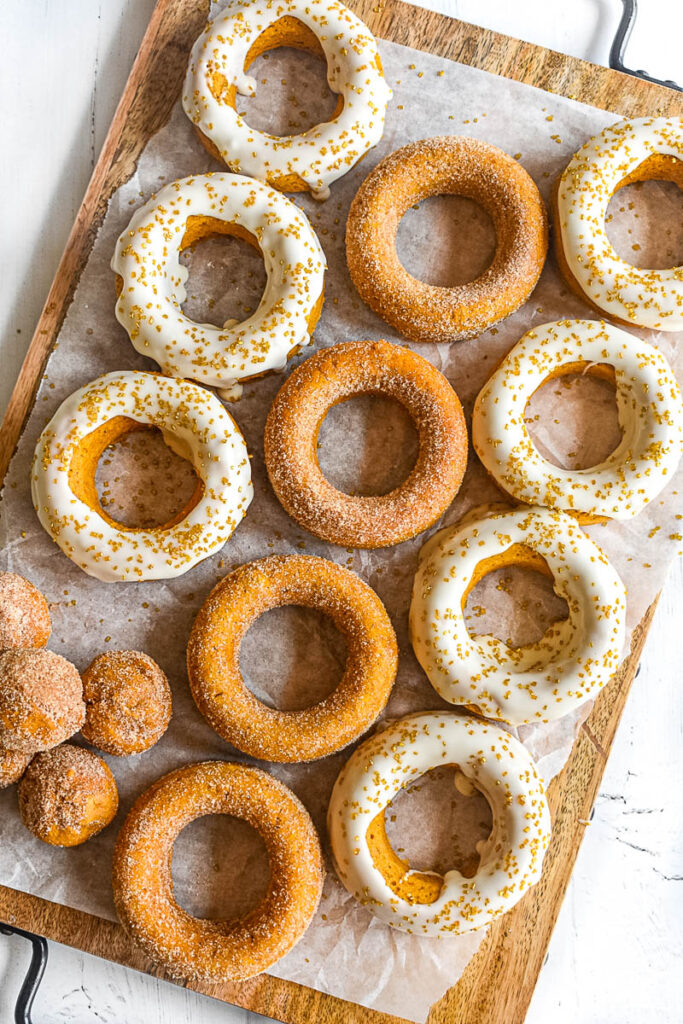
292,657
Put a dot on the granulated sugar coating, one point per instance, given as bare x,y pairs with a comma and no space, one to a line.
24,614
12,766
41,700
128,702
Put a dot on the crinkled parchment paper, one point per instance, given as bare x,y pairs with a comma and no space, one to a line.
292,656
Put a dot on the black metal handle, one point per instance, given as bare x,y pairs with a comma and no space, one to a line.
623,34
34,974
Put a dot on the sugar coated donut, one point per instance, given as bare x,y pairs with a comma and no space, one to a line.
152,280
217,72
540,681
12,766
213,658
193,423
41,700
127,701
227,950
628,151
447,165
24,614
334,375
67,795
487,759
650,415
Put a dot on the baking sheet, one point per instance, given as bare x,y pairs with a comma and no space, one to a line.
291,656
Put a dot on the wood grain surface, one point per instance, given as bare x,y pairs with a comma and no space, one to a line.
498,983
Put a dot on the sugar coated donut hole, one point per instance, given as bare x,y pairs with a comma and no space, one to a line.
12,766
41,700
24,614
128,702
67,795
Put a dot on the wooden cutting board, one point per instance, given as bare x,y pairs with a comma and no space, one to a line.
498,983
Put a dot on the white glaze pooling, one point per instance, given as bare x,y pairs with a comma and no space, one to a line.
540,681
493,762
647,298
650,414
149,306
194,424
323,153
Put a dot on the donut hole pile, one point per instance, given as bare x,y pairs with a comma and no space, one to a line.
446,240
631,213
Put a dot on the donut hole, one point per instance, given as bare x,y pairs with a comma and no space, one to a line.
446,240
573,419
227,275
644,223
367,445
234,872
141,483
292,657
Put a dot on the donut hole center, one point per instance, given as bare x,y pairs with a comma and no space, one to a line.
573,419
141,483
220,868
226,272
291,658
446,240
292,92
644,219
367,445
514,601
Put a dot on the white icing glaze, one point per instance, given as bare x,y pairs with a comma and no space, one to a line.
320,155
149,306
195,425
489,759
540,681
650,414
647,298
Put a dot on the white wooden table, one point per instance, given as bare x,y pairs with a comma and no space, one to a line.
615,957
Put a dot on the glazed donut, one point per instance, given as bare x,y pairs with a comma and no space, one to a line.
12,766
193,423
151,280
447,165
213,658
628,151
24,614
312,160
537,682
41,700
650,415
230,950
425,902
334,375
67,795
127,702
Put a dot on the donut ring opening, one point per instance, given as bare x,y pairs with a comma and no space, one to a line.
342,372
219,689
218,950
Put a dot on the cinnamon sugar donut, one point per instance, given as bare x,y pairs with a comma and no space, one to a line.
191,947
24,614
127,702
67,795
41,700
334,375
213,658
13,764
446,165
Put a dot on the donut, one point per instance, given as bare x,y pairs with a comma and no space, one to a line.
41,700
127,702
24,614
217,72
446,165
67,795
334,375
225,950
232,607
635,150
193,423
650,415
151,280
12,766
537,682
425,902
